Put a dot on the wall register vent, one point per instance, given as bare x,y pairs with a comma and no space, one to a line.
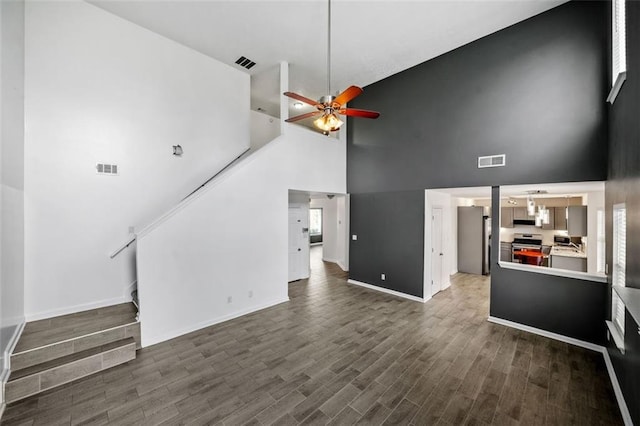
492,161
245,62
107,169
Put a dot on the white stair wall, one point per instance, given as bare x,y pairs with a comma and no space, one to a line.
224,253
100,89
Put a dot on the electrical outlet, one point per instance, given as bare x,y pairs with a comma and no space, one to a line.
250,293
229,299
383,277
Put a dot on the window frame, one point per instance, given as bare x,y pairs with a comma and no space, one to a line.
618,48
618,275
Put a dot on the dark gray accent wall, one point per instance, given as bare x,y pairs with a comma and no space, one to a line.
623,186
567,306
534,91
390,231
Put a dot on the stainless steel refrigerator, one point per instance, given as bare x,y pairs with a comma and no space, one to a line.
474,240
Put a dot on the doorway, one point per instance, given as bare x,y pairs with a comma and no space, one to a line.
298,243
437,255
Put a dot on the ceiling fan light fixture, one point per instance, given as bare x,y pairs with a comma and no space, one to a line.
329,122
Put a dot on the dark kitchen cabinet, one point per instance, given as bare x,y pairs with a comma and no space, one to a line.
506,217
505,252
520,213
560,218
577,221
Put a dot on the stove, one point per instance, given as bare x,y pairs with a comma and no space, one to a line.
531,242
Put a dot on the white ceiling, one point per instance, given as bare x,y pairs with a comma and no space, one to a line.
552,190
371,39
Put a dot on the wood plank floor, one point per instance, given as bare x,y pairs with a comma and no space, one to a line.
48,331
340,354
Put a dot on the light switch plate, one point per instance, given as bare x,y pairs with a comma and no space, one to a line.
354,237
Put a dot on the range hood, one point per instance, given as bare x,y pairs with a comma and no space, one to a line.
527,222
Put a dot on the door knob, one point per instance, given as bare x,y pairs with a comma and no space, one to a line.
299,249
440,254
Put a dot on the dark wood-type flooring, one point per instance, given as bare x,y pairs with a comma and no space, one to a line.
340,354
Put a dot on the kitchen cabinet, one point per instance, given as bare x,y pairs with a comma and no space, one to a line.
560,218
520,213
505,251
569,262
506,218
552,219
577,221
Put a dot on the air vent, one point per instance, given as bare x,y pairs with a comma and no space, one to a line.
245,62
107,169
492,161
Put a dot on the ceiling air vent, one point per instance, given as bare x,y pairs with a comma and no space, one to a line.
492,161
107,169
245,62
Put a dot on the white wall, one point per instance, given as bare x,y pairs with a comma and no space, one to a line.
342,246
264,129
101,89
231,239
329,227
11,176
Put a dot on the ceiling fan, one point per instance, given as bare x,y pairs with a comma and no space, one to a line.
329,106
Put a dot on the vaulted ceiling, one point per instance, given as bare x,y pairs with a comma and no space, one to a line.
371,39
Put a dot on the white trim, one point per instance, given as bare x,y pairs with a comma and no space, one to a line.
386,290
159,338
549,334
77,338
5,369
622,404
343,266
613,94
618,339
77,308
584,276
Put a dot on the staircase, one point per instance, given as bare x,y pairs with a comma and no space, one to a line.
59,350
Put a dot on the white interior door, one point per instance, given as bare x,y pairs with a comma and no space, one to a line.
298,244
436,250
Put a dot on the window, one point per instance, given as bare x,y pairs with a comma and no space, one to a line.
315,225
616,325
618,48
601,243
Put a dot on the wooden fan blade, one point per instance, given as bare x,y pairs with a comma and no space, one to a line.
301,98
359,113
302,117
347,95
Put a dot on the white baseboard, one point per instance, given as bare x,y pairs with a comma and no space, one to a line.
624,410
386,290
159,338
77,308
545,333
337,262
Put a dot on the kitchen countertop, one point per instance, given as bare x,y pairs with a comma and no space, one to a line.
567,252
